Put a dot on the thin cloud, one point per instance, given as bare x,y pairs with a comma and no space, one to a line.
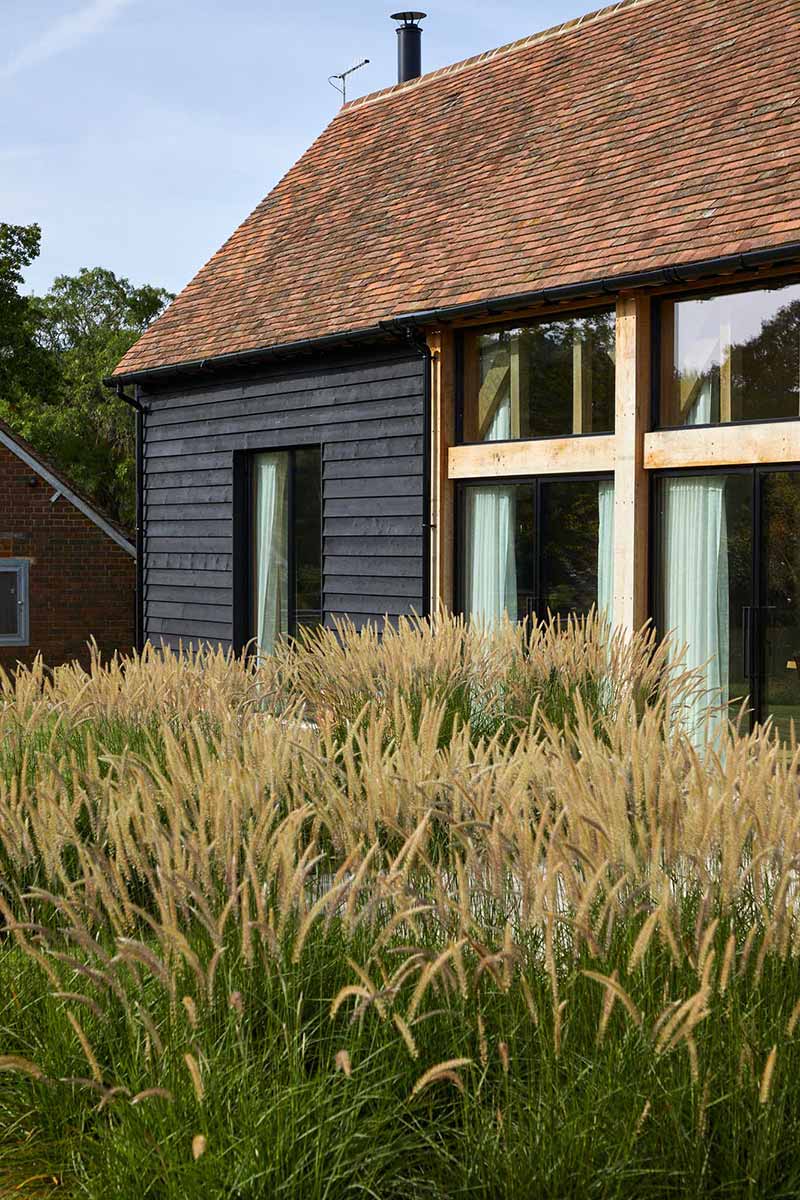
64,35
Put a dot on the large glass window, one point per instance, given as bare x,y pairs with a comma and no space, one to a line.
732,357
545,545
286,543
547,378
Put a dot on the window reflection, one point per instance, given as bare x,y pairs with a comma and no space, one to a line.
731,358
545,379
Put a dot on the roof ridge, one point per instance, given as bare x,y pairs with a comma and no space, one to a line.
531,39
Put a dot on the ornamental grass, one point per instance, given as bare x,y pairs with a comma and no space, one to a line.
436,913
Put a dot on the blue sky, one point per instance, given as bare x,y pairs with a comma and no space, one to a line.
139,133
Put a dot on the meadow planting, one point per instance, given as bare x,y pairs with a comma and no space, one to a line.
433,914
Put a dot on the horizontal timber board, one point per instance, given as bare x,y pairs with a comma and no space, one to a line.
550,456
192,464
199,510
391,566
268,424
364,605
187,545
372,487
301,402
404,466
199,494
373,585
180,609
368,431
181,593
356,527
186,578
188,560
340,449
304,378
723,445
377,506
198,629
189,528
379,546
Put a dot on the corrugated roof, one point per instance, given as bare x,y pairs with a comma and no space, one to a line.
651,133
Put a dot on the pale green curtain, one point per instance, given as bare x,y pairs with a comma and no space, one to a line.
605,549
694,573
491,568
271,535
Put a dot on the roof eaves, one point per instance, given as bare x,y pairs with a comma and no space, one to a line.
746,261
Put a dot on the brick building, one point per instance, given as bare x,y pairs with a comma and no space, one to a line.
67,572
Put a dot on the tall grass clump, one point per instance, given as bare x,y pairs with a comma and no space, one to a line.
436,913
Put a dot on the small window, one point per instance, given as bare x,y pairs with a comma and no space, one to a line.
286,546
731,357
13,602
544,379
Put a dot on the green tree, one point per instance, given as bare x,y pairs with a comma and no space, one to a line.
84,325
25,365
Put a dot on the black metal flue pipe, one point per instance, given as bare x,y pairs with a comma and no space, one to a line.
409,45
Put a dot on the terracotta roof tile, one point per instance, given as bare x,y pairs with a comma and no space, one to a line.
653,133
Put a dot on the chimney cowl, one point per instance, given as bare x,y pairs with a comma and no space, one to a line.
409,45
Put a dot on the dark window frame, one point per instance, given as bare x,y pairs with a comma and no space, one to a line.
243,529
656,325
498,326
459,521
21,567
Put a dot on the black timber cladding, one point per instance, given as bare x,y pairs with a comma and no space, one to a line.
365,412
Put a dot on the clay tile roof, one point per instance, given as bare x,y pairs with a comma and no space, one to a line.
649,134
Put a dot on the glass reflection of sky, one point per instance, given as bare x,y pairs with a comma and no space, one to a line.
698,323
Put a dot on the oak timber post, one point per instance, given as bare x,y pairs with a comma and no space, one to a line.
631,499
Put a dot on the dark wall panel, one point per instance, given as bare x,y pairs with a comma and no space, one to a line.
365,412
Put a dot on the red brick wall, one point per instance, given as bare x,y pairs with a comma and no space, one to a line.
81,583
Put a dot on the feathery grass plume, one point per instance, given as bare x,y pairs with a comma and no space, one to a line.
441,838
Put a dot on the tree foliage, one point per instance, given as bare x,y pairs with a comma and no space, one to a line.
55,351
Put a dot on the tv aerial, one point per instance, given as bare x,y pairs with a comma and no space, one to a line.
341,86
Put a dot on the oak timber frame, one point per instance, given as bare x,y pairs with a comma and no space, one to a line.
630,454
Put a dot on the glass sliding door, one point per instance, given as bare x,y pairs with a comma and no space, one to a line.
728,587
539,546
778,617
704,587
286,543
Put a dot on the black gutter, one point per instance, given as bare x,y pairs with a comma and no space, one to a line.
673,276
136,403
668,276
245,358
